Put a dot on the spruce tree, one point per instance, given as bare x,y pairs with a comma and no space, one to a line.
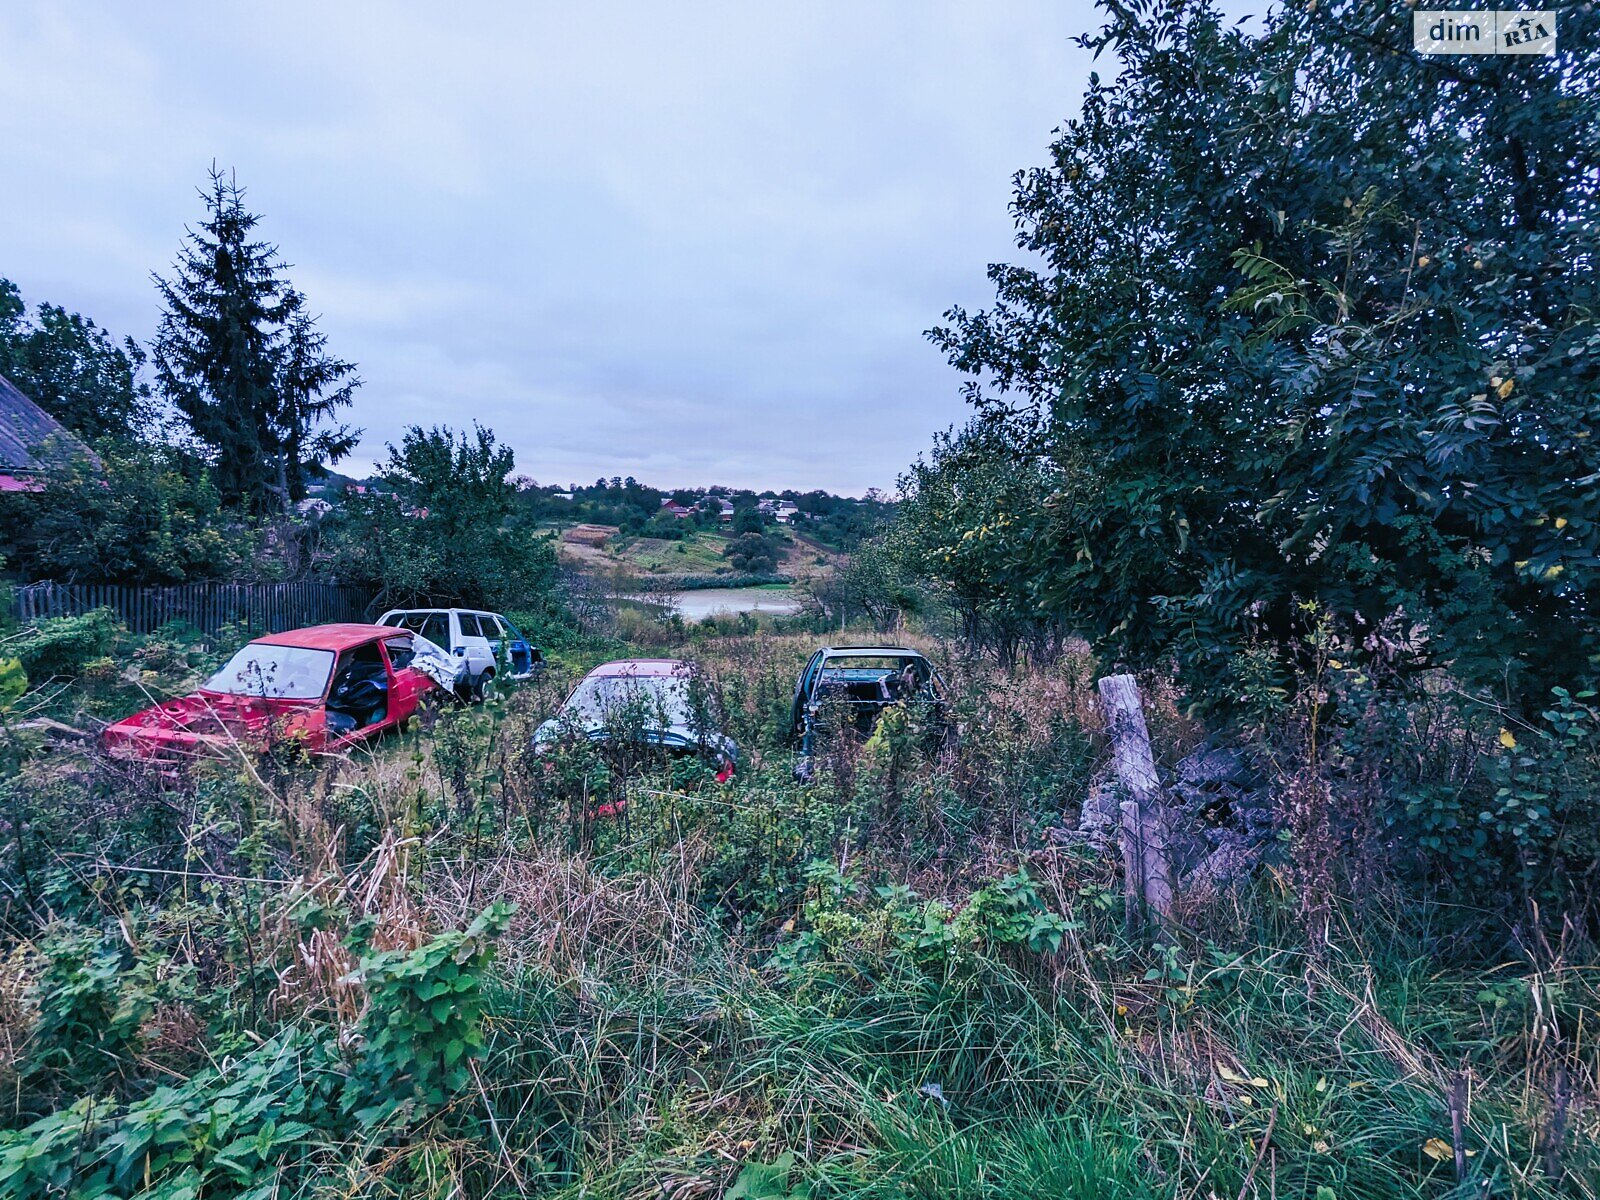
240,358
312,387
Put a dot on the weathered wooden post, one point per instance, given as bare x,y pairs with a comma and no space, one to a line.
1144,818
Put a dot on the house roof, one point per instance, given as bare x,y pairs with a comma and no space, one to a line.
31,440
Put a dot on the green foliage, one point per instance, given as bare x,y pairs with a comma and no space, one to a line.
423,1022
1543,830
64,646
239,357
235,1132
71,368
145,514
90,1011
768,1181
1283,349
970,521
752,552
451,533
934,935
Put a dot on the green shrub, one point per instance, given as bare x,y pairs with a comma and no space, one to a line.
64,646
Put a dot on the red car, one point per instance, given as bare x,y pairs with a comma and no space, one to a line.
325,687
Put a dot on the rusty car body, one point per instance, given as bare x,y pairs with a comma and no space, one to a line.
321,688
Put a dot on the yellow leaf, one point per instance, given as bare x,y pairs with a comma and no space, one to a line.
1437,1149
1553,571
1259,1082
1507,739
1478,263
1322,1083
1229,1074
1561,522
1504,389
1423,261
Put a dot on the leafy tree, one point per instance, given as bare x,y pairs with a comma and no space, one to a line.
72,369
1313,320
450,532
240,359
754,553
747,518
969,519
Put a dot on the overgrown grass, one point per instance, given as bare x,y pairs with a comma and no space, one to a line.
891,981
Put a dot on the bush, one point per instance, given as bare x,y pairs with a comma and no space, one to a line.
61,647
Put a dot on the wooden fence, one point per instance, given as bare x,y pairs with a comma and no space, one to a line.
253,607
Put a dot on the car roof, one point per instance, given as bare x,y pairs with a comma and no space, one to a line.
640,667
871,652
328,637
482,611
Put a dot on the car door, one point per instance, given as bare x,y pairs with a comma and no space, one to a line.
494,631
479,653
802,694
406,683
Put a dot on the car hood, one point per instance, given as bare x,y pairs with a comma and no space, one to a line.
214,720
672,735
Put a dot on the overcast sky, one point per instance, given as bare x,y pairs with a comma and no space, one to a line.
691,242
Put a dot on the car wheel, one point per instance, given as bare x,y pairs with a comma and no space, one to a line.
485,688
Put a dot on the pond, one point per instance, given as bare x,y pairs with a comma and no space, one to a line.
706,602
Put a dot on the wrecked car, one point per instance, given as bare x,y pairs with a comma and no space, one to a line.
320,688
647,703
852,686
486,642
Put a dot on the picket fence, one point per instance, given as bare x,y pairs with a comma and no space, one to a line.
255,608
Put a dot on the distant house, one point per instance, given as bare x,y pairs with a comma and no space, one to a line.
672,507
32,442
785,511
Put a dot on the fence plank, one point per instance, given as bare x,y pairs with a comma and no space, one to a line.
258,607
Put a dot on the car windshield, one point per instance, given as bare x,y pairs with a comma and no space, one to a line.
655,697
873,662
279,672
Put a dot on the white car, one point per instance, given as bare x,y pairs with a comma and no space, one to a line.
489,645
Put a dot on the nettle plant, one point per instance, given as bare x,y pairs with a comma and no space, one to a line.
424,1018
1007,914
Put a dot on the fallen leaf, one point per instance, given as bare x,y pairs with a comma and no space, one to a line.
1437,1149
1507,739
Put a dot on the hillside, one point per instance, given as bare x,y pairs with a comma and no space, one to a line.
604,549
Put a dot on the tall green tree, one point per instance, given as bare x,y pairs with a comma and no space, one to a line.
73,369
240,359
1309,317
450,532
